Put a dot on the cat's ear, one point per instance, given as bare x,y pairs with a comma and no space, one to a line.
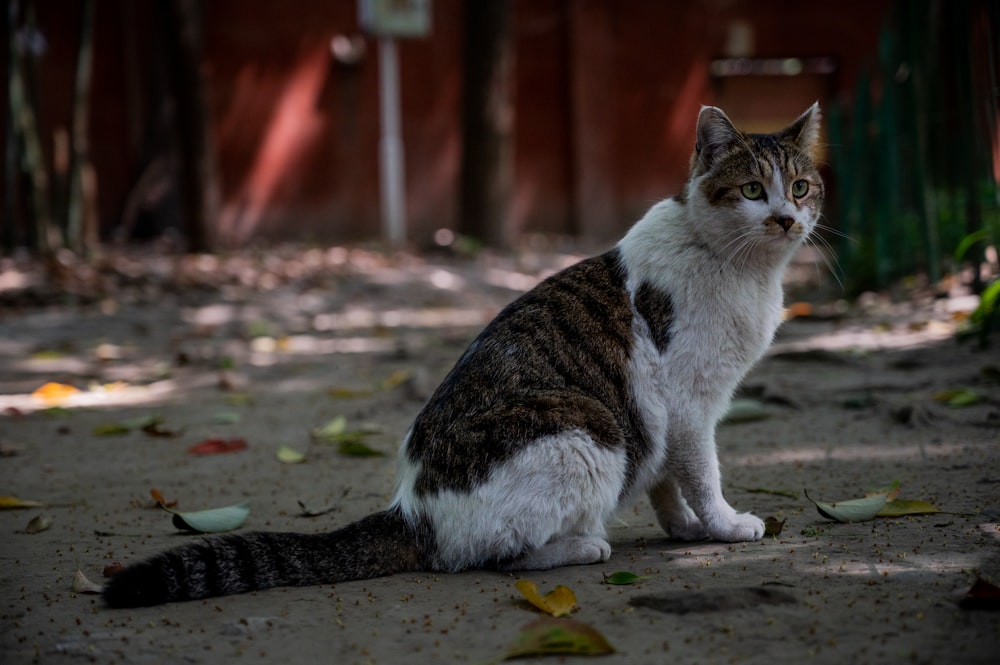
715,131
804,132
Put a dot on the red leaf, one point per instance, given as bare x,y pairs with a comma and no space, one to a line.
982,596
217,446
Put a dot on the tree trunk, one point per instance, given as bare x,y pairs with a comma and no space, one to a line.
487,123
199,199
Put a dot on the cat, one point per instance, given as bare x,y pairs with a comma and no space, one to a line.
603,382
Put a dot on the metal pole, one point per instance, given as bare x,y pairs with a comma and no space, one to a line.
391,158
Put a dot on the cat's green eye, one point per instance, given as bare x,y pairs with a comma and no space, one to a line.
752,190
800,188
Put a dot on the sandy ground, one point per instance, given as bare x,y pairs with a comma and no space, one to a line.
266,349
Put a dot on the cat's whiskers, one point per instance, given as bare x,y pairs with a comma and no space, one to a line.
826,250
743,240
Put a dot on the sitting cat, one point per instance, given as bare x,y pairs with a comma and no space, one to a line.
603,382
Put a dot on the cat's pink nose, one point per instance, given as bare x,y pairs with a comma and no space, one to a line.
785,222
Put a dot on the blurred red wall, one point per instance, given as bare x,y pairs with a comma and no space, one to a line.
606,94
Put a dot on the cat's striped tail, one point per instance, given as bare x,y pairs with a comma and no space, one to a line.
378,545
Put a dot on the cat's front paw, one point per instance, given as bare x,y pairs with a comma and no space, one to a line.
740,527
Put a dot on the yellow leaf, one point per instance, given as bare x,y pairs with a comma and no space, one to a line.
557,602
10,502
53,393
907,507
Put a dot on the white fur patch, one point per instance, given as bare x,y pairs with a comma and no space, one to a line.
560,485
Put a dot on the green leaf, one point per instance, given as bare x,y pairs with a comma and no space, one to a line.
349,442
111,429
745,411
332,429
288,455
227,418
852,510
356,448
550,636
958,397
215,520
623,577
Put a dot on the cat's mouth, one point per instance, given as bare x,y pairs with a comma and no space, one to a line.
781,226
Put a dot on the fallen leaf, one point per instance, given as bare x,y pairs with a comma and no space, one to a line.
396,379
349,393
9,450
791,494
349,442
38,524
852,510
111,429
217,446
357,449
313,512
899,508
331,429
82,585
557,602
12,502
958,397
238,399
773,526
745,411
156,428
227,418
890,491
158,498
982,595
288,455
112,569
549,636
623,577
215,520
53,393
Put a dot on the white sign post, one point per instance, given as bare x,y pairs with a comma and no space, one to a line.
388,19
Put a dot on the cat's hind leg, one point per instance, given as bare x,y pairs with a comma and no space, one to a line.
565,551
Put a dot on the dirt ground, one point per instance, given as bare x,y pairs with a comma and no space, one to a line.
265,347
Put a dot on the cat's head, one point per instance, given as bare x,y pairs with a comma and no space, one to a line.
755,195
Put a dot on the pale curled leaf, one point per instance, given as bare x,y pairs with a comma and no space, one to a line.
38,524
82,585
557,602
852,510
215,520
